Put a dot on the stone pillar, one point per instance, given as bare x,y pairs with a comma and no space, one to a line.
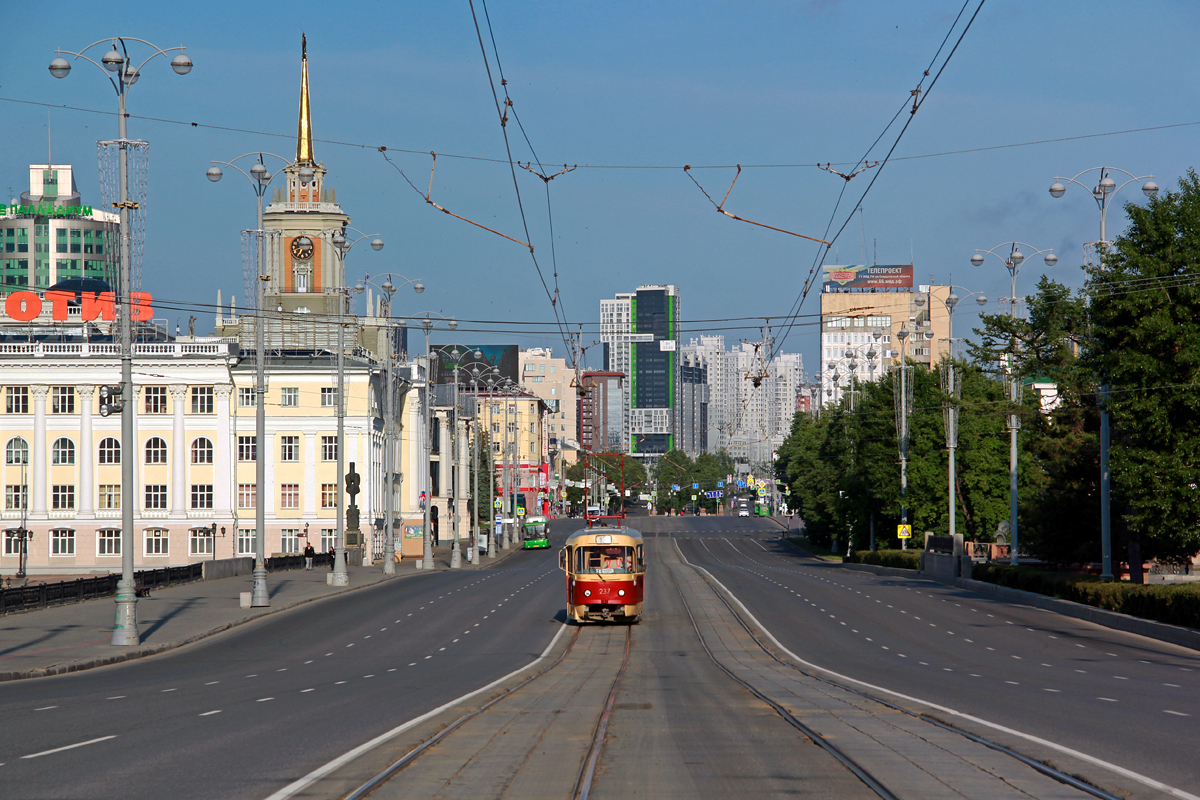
86,453
38,467
224,470
178,454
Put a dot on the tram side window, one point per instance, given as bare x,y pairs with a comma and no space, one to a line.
604,560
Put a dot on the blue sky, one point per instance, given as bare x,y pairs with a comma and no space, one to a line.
625,84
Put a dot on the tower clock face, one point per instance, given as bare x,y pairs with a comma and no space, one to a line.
302,248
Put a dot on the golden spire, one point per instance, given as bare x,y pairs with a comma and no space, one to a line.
304,140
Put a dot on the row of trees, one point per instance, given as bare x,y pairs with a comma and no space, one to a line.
676,468
1135,328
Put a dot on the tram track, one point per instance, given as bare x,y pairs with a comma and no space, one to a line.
580,785
1038,766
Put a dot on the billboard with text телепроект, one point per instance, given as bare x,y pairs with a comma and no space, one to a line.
868,276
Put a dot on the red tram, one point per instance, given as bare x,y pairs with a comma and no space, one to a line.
606,574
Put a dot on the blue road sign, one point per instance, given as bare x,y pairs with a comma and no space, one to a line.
720,484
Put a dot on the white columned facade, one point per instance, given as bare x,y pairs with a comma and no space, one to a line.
178,454
38,465
86,454
224,466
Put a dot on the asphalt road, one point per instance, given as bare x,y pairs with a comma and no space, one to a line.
1121,698
247,712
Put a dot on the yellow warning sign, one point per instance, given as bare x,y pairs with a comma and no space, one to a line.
904,531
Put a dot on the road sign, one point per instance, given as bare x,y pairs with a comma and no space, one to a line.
720,484
674,487
520,512
498,503
714,495
695,486
741,484
904,531
693,497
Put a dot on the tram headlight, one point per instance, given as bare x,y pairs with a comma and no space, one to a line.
587,592
621,592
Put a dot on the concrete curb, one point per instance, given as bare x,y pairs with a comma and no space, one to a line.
117,658
1160,631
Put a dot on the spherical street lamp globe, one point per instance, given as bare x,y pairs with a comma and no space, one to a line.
214,173
181,64
60,67
1057,189
1051,259
977,260
112,60
1150,188
377,244
951,300
418,287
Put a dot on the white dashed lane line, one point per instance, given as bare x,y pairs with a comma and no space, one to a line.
70,746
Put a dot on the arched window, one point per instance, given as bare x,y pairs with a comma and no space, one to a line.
63,451
202,451
110,451
156,451
17,451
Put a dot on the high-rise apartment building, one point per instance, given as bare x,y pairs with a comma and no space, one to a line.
640,331
550,379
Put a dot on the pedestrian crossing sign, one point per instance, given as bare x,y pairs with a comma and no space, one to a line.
904,531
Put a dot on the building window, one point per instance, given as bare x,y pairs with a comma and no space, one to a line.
158,542
16,451
328,495
63,451
16,399
882,321
247,495
156,496
156,399
289,448
202,495
110,451
202,399
110,496
108,542
247,448
200,542
246,397
328,397
289,397
16,497
156,450
328,537
245,541
289,540
289,495
202,451
62,400
62,542
329,448
62,496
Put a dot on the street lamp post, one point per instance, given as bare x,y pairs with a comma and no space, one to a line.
953,390
1103,192
342,247
389,420
905,387
428,323
260,178
473,370
493,543
1012,263
124,75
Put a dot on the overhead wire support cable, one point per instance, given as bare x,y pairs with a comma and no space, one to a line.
720,206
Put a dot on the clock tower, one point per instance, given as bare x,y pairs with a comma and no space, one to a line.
305,267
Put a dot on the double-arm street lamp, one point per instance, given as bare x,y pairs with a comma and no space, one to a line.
428,324
951,386
260,178
389,421
471,366
342,246
1012,262
1104,191
121,72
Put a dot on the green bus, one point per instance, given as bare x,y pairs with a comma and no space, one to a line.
536,533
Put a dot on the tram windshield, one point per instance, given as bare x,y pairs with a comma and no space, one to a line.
604,560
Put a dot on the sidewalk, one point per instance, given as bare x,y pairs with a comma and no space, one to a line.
52,641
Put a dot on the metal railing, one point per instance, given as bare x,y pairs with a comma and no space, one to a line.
44,595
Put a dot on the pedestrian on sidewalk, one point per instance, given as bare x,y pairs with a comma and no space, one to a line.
309,555
332,556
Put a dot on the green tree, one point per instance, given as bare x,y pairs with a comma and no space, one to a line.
1145,307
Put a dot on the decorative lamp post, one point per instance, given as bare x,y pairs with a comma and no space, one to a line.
427,323
1103,193
953,390
389,421
260,178
342,247
122,74
904,390
1012,263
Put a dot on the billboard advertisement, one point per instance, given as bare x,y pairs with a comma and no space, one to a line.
503,356
868,276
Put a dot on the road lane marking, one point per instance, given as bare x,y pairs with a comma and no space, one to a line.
264,699
70,747
1106,699
45,708
1176,713
210,683
168,690
305,691
1143,779
118,697
210,713
297,786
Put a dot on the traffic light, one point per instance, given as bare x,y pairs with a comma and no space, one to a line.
111,401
